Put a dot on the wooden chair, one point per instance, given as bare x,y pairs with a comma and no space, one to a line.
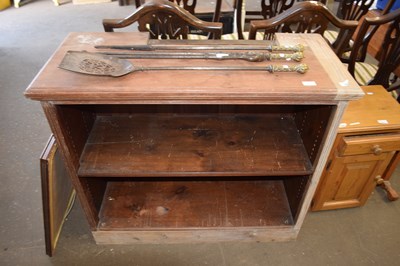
268,9
349,10
305,17
244,14
186,4
352,10
165,20
265,9
388,56
190,5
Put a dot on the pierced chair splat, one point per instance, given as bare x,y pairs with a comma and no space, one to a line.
388,56
255,10
165,20
305,17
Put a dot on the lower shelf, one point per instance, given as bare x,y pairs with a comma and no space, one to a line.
182,205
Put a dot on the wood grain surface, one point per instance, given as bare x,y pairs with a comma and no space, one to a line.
194,145
194,204
326,72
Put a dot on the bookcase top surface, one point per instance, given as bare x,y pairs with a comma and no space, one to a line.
327,80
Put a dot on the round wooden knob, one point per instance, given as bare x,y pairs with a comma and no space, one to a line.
378,179
377,150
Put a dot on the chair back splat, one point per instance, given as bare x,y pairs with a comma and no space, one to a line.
389,54
354,9
306,17
190,5
267,9
165,20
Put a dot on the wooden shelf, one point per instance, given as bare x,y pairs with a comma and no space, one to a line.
181,205
140,145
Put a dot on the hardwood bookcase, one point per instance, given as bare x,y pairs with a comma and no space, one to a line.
167,158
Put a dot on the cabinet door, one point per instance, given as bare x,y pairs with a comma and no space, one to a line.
349,180
57,194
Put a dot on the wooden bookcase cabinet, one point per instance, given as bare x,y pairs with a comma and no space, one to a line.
184,157
188,167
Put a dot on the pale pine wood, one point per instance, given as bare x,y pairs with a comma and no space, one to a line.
369,144
349,176
351,180
392,166
195,236
376,111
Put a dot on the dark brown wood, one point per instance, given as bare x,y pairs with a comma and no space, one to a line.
319,115
250,119
389,54
188,5
306,17
214,11
194,145
194,204
375,44
261,10
68,151
295,188
166,20
61,86
353,9
57,194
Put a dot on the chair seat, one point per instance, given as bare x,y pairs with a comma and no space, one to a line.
331,35
364,72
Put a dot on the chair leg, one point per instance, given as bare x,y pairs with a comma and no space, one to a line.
123,2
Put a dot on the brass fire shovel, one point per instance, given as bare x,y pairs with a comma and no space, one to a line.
106,65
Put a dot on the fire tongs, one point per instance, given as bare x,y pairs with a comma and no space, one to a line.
247,56
106,65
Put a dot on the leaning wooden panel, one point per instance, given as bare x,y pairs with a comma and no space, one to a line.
57,194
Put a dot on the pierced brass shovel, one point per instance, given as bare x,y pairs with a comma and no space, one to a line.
105,65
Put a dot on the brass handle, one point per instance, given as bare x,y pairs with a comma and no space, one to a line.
376,150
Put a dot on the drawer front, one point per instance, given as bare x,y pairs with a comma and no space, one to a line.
370,144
